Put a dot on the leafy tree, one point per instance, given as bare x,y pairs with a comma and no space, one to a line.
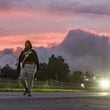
57,68
8,72
43,74
77,77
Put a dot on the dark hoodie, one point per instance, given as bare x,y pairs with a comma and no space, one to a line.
32,58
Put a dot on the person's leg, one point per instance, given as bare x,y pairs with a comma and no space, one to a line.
30,68
29,81
23,80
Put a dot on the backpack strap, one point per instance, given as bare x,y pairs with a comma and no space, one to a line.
27,53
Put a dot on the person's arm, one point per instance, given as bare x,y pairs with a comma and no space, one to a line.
36,61
19,60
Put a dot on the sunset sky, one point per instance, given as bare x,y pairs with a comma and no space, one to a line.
46,22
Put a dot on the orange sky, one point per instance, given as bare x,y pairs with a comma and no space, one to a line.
40,39
47,22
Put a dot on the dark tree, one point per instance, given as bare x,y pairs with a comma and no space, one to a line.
77,77
8,72
43,74
57,68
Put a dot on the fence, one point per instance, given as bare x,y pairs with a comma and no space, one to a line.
9,83
38,84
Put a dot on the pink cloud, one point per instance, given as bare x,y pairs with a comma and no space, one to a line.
39,39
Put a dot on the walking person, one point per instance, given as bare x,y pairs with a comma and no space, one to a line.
28,65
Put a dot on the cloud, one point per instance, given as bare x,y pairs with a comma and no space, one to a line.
4,4
46,39
43,54
7,56
10,56
101,7
82,50
85,51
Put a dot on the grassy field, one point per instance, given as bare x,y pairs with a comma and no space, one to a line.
8,89
42,86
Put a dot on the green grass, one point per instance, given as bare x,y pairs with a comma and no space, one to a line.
8,89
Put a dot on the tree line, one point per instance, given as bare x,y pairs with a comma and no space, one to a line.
56,69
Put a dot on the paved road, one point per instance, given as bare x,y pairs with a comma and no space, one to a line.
55,101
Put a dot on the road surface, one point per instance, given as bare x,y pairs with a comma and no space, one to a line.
55,101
